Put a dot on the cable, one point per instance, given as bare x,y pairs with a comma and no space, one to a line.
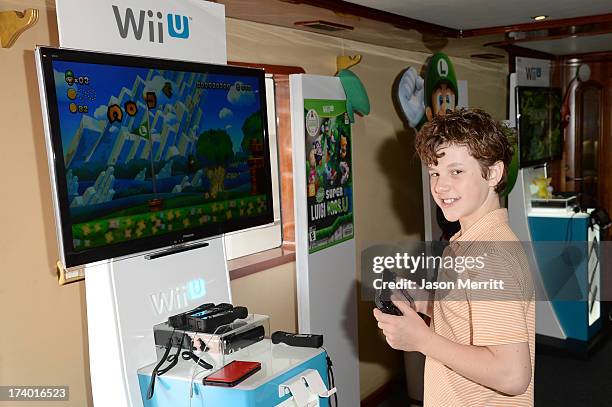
194,374
173,359
154,373
330,376
204,350
187,354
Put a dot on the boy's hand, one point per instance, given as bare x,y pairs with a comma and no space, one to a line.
420,298
407,332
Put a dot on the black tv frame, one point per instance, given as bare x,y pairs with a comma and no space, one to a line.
69,256
552,157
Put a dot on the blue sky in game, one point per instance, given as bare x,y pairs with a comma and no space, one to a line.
222,108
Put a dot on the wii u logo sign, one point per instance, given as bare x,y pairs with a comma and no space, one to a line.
533,73
178,26
179,297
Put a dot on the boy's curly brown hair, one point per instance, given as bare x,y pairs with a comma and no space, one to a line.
475,129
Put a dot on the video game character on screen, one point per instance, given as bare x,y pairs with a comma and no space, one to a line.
149,152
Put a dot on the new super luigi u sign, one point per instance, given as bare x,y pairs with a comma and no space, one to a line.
329,173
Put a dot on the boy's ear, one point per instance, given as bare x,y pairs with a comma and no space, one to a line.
496,172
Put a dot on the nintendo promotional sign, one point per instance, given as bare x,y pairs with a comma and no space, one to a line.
125,298
329,173
155,28
532,72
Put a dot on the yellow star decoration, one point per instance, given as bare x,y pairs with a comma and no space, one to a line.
86,230
109,237
170,215
139,232
228,215
186,222
97,227
128,233
142,224
154,230
177,214
128,222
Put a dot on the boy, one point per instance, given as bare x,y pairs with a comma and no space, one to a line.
479,350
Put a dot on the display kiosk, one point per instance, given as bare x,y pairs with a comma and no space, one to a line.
134,278
324,226
562,245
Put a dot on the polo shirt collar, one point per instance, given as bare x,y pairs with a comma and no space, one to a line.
482,226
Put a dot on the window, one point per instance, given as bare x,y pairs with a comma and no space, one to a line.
281,232
257,239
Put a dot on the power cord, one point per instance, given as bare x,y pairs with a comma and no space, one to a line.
156,371
330,375
205,348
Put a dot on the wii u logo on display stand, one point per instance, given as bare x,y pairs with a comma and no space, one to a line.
178,26
165,302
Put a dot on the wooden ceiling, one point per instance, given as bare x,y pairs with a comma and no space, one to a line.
359,23
368,26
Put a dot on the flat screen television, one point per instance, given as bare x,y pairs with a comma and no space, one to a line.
539,125
146,153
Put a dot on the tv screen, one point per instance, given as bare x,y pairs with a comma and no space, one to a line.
539,125
148,153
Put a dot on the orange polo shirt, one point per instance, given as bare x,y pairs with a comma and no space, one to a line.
483,317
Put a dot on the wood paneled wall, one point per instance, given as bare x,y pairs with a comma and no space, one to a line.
563,172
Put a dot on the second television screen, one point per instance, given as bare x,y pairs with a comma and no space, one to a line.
539,125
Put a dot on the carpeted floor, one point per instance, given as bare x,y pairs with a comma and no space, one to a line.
560,381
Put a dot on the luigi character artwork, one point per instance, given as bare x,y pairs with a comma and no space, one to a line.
440,86
421,99
328,173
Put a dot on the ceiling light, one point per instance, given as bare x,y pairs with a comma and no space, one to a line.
539,18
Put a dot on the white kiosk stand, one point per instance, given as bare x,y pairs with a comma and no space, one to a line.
326,279
550,321
547,322
126,297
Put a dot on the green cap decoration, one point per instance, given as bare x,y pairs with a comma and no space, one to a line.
356,96
440,70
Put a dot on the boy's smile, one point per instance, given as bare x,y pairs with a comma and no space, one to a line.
458,187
